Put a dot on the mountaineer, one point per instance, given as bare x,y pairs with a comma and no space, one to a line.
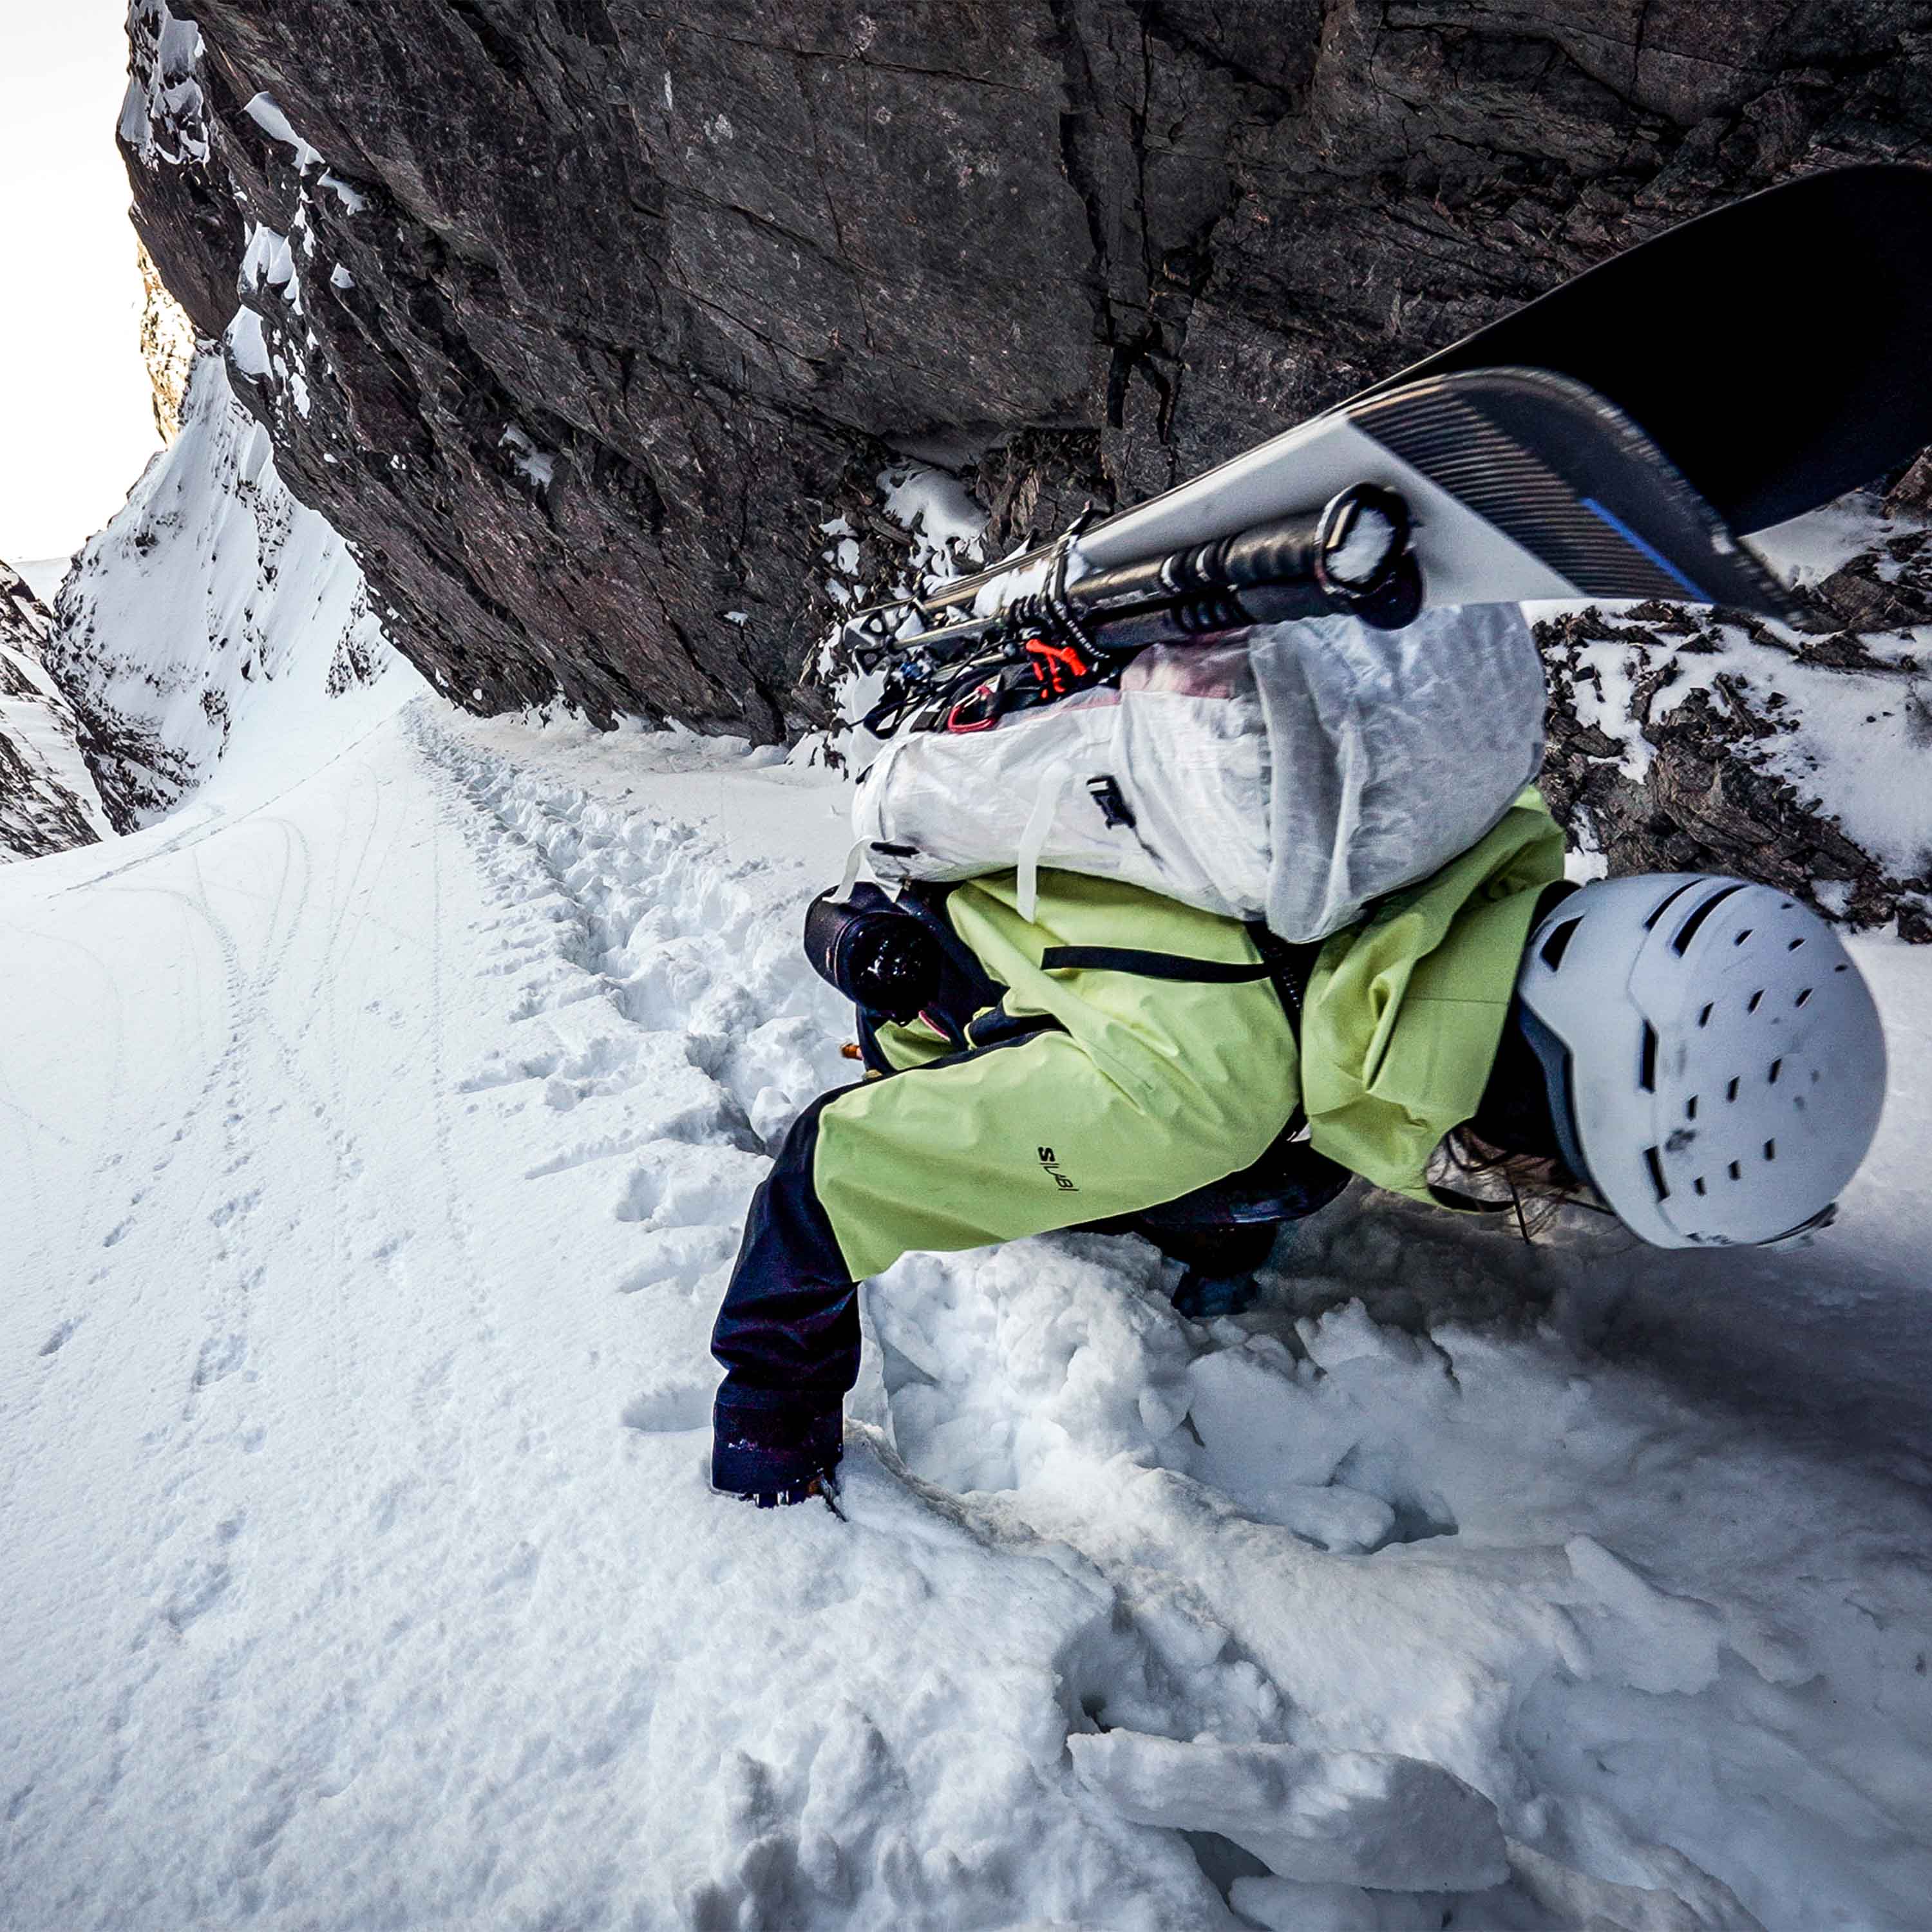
1697,1054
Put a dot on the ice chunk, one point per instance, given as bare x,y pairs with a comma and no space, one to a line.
1653,1640
1606,1906
1333,1817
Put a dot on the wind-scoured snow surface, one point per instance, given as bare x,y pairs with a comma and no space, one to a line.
375,1133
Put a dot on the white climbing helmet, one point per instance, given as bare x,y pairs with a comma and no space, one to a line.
1715,1064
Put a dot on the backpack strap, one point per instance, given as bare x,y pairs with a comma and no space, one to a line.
1053,782
1287,966
1153,965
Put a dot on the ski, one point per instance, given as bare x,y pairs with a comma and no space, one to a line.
1489,486
1521,484
1819,385
1737,423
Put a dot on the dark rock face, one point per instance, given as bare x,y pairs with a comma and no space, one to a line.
591,313
48,801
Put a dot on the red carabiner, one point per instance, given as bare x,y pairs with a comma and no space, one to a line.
953,723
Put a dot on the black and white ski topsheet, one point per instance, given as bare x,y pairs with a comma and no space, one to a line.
1612,439
1778,351
1521,483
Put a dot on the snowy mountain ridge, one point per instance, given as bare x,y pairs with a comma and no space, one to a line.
212,586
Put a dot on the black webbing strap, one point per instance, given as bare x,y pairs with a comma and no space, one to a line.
1290,966
996,1027
1287,966
1154,965
1459,1203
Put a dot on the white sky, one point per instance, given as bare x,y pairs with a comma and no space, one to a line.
75,424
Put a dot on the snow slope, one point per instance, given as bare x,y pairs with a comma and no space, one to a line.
212,596
374,1134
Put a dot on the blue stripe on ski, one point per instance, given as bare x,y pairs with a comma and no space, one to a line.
1698,595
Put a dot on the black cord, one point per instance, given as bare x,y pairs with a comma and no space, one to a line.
1062,622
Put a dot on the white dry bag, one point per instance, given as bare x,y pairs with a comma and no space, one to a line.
1293,772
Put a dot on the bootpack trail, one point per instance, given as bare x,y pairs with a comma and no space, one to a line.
373,1153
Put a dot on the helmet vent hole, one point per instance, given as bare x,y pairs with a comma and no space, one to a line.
1558,943
1688,930
1751,1005
1840,967
1670,898
1656,1166
1736,1171
1742,937
1697,1186
1704,1018
1777,1068
1802,997
1731,1091
1690,1107
1791,946
1647,1074
1771,1149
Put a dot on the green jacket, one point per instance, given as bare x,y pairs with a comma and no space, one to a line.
1128,1051
1150,1087
1404,1011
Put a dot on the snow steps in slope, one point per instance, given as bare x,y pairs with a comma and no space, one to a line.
1318,1536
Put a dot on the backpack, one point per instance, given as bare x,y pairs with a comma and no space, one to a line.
1291,773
